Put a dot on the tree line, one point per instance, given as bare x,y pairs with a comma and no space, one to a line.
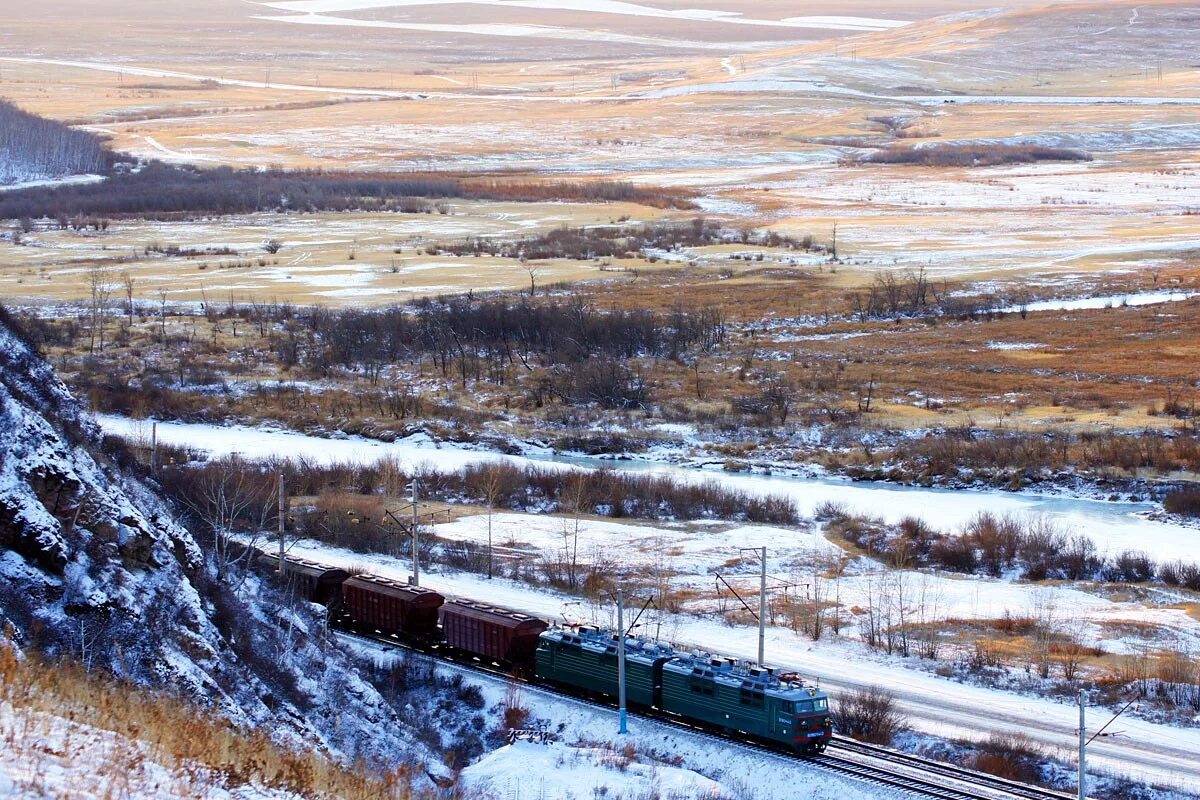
233,495
156,190
35,148
967,154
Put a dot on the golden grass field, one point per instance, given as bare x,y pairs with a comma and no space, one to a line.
750,118
326,258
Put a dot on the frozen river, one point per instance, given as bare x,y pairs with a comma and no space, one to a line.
1114,527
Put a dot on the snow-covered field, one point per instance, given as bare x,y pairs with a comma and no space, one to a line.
692,554
34,183
615,7
578,773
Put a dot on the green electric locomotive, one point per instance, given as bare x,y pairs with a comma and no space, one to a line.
720,693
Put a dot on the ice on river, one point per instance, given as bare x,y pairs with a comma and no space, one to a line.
1114,527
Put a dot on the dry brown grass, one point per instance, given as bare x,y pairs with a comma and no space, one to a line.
174,734
1121,369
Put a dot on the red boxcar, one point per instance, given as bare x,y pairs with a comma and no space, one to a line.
316,582
490,632
372,603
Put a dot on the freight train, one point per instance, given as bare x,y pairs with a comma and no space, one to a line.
717,693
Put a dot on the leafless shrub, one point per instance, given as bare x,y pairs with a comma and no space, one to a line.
1014,756
869,715
1183,501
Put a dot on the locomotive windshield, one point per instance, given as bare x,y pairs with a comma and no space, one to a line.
816,705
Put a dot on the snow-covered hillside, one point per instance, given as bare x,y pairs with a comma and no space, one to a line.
51,756
36,149
94,569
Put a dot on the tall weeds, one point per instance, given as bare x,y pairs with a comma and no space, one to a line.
176,734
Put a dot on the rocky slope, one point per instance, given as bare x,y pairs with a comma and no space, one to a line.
94,567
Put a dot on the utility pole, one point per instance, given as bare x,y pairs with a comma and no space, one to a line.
623,725
416,576
282,520
762,609
153,447
1082,745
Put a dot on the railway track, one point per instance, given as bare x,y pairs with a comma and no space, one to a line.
874,764
1011,787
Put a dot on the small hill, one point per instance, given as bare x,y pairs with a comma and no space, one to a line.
36,149
96,572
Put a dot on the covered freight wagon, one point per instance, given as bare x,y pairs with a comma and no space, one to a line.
490,632
315,582
372,603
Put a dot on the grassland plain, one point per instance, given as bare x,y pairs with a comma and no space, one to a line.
765,136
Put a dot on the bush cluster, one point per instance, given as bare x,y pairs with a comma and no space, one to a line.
953,451
245,490
622,241
1032,548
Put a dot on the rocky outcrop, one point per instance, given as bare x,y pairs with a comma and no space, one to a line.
94,567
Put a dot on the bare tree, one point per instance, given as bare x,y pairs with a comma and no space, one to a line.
1046,620
574,500
1071,647
533,276
779,396
229,497
864,398
100,291
162,315
493,486
127,285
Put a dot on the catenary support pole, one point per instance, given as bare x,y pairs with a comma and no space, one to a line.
623,720
1082,745
762,610
416,576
